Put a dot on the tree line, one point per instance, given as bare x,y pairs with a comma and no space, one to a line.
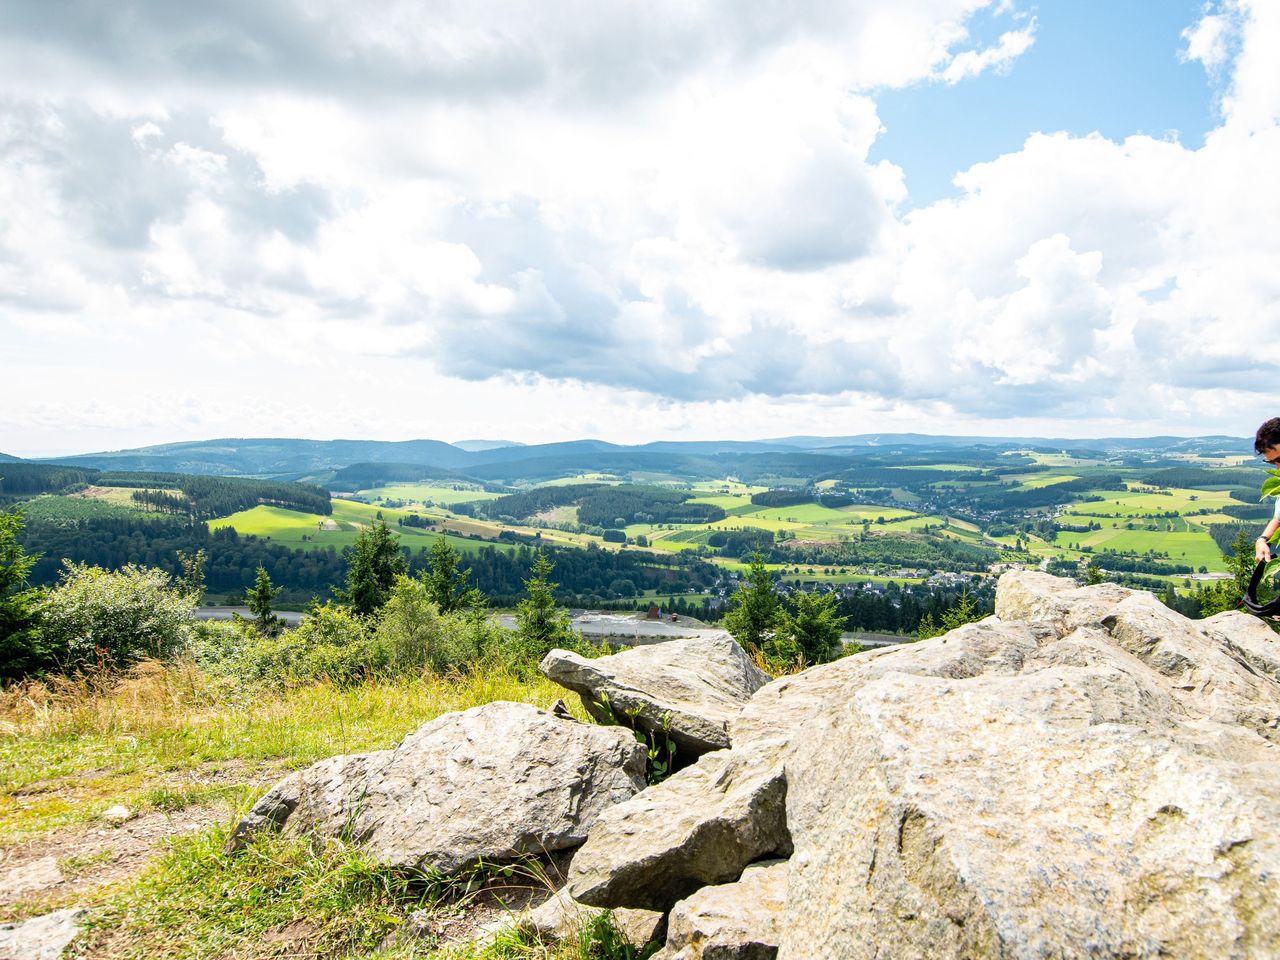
200,497
233,559
604,505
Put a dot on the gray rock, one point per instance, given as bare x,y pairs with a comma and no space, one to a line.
494,782
1208,675
699,683
701,826
733,921
1109,792
40,938
1031,597
803,702
1248,639
27,877
560,917
118,815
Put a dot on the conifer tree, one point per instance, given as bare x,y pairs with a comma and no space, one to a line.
259,599
446,584
541,625
373,563
23,648
192,580
755,613
813,627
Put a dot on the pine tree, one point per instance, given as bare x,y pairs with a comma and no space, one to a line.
1228,594
965,610
754,614
192,580
446,584
259,599
23,647
541,625
813,626
373,563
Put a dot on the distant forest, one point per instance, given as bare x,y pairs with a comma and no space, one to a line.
233,560
602,505
197,497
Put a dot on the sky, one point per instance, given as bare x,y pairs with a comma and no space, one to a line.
684,219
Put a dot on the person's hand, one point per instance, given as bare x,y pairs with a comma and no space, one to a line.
1262,551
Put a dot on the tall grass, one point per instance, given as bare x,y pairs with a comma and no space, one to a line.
69,745
162,736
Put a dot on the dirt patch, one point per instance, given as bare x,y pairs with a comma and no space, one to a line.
90,855
95,854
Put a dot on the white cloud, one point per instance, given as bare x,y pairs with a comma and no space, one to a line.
999,58
605,220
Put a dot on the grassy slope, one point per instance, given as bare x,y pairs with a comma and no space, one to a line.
165,738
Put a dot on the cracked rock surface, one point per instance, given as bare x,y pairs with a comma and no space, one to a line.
495,782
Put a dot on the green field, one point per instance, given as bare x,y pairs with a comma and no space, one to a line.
56,508
1144,501
1194,548
435,494
582,478
311,531
1036,481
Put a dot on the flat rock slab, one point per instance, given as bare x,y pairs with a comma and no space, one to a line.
36,875
40,938
495,782
702,826
692,687
732,921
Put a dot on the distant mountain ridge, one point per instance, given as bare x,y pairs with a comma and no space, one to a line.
475,446
291,458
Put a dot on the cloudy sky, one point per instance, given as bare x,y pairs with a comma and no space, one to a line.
675,219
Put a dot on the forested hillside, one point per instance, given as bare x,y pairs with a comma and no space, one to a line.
665,520
198,497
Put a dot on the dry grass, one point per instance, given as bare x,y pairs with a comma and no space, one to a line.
70,747
163,736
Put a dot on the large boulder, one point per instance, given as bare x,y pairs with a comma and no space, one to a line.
702,826
1109,791
494,782
688,690
733,921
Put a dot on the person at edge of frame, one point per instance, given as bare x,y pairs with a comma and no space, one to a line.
1267,443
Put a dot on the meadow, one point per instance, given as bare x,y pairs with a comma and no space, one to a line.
188,755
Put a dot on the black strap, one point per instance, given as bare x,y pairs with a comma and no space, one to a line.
1269,609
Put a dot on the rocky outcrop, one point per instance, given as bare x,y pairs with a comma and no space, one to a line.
1087,773
702,826
1095,777
688,690
1031,597
733,921
1113,796
495,782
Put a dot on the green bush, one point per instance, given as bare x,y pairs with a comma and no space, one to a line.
409,636
116,617
413,634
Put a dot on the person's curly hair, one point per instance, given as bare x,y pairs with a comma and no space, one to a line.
1268,435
